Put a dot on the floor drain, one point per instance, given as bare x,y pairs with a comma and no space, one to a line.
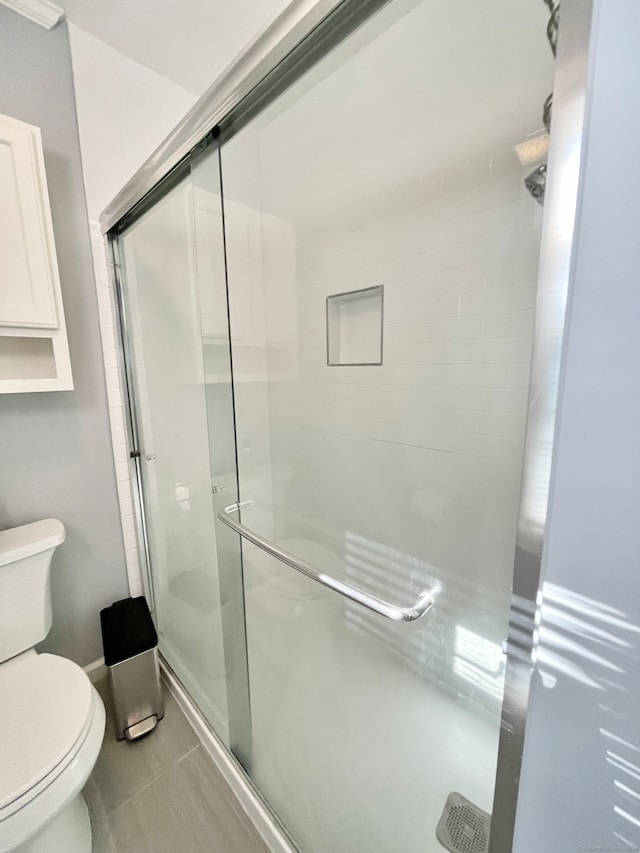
463,827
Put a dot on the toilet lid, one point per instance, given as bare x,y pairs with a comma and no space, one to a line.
45,705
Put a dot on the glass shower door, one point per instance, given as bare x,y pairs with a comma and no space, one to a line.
381,254
175,300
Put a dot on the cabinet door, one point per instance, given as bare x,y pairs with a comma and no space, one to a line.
28,266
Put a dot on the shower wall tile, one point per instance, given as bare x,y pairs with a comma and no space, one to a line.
261,257
424,452
116,401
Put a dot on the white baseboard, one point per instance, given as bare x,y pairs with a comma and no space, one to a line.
96,670
234,774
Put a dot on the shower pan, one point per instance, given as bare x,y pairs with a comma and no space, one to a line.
332,492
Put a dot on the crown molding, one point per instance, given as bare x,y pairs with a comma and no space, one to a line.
42,12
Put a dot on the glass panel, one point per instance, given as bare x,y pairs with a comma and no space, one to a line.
164,266
219,395
398,161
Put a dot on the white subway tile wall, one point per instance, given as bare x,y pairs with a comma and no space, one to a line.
422,454
116,400
459,313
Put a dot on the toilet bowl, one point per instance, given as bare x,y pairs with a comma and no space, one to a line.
52,719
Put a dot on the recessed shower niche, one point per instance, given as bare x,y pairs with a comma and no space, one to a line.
354,327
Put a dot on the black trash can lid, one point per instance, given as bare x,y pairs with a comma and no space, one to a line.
127,630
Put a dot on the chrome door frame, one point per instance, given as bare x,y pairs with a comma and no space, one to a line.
272,54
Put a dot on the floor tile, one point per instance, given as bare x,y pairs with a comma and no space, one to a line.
102,840
123,768
189,807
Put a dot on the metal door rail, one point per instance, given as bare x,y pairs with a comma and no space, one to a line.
423,603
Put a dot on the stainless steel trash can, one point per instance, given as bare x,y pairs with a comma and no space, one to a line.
131,654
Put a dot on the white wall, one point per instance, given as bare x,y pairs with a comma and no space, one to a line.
187,41
124,109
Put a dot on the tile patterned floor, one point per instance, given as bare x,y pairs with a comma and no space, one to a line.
163,794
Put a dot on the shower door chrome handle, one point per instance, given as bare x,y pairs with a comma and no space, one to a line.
396,612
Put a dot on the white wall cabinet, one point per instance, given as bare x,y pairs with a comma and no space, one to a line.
34,353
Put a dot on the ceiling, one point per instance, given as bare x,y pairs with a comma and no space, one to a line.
190,42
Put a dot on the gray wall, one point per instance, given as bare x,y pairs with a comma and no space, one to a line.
580,784
55,452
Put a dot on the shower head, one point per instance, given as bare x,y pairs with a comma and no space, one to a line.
536,183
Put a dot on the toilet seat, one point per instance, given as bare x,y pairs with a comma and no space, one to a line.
56,720
46,704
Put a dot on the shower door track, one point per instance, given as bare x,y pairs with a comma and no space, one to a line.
303,32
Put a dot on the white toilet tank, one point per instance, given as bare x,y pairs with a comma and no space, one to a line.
25,594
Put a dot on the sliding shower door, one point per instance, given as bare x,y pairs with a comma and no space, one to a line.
174,292
329,314
382,256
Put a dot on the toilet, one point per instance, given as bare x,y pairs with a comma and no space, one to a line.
51,717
